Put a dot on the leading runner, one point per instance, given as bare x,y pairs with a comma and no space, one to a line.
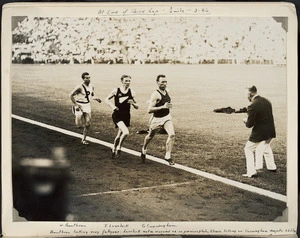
159,107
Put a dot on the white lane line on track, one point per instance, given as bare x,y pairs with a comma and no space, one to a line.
214,177
135,189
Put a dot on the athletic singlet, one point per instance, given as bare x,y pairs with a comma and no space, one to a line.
164,99
86,97
121,100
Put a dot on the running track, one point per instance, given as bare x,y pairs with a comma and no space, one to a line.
243,186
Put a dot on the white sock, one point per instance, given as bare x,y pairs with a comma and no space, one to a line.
168,155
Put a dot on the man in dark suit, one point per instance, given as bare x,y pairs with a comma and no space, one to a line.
260,119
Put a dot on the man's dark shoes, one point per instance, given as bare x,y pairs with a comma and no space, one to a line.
272,170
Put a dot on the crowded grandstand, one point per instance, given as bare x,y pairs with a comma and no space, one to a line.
149,40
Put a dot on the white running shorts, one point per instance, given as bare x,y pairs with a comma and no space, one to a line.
86,107
158,122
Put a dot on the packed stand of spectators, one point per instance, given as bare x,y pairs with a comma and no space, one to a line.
149,40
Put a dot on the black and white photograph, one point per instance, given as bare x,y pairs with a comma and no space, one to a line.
149,119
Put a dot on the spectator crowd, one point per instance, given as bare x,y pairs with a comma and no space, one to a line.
187,40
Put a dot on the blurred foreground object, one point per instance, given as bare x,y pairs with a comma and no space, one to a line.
41,187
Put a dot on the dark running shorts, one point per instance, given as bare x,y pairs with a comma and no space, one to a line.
118,116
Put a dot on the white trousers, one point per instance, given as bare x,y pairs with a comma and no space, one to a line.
262,150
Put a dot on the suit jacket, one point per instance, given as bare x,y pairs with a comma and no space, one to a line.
260,117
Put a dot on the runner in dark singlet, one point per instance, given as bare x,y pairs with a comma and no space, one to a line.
159,106
121,102
124,98
164,99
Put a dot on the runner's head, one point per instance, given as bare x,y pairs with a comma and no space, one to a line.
86,78
126,80
161,81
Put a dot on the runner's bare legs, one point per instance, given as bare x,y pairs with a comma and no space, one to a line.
147,140
121,136
169,127
116,140
86,118
78,120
